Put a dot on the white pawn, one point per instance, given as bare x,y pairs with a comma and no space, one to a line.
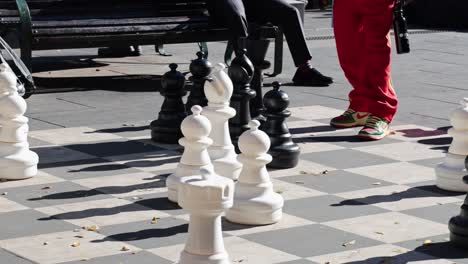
218,91
195,129
450,173
16,160
255,202
205,199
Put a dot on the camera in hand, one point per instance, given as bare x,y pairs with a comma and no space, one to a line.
400,28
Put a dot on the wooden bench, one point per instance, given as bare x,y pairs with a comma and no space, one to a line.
68,24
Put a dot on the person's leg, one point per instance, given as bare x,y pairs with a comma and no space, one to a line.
230,13
349,38
286,16
381,97
377,22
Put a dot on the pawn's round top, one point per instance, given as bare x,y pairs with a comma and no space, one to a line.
196,126
254,142
8,79
200,67
173,78
276,100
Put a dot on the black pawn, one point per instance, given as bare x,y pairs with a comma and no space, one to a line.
241,73
458,225
284,151
200,69
166,129
256,51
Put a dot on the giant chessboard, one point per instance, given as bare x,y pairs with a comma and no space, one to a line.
100,197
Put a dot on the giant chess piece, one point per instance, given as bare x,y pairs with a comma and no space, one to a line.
166,129
241,74
200,69
256,51
450,173
205,199
195,129
219,91
459,225
284,151
255,202
16,160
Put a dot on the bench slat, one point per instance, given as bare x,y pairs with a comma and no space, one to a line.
38,25
137,29
87,41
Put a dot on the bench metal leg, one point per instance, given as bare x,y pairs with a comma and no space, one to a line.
26,53
228,53
203,46
256,51
278,64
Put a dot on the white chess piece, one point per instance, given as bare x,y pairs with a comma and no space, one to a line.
450,173
218,91
205,199
16,160
195,129
255,202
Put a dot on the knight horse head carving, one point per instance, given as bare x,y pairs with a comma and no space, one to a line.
219,87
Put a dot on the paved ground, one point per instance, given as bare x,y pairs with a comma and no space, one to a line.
347,201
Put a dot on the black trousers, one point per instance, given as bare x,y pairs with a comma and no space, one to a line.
236,14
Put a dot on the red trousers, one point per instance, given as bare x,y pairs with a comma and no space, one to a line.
362,39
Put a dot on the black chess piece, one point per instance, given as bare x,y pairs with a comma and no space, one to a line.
200,69
241,74
166,129
256,51
458,225
284,151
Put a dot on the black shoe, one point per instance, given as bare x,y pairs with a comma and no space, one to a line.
119,51
309,76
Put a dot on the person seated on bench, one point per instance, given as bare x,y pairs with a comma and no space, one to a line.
235,14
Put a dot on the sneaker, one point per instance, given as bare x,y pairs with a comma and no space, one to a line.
308,76
350,118
375,128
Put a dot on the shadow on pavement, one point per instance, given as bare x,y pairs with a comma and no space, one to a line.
442,250
120,129
120,83
414,192
161,183
160,204
146,234
55,63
